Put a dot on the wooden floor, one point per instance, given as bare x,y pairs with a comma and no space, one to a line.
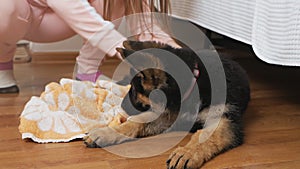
272,125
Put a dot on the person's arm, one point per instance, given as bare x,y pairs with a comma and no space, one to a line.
85,21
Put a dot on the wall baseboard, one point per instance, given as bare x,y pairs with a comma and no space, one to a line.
59,57
54,56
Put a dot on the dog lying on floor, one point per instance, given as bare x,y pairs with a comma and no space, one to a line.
226,116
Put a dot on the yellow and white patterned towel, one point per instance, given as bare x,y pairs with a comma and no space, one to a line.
69,109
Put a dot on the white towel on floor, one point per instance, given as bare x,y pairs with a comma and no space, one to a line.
69,109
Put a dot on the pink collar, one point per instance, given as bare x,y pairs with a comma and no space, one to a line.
196,73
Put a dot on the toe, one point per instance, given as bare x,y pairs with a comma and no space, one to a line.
90,143
184,158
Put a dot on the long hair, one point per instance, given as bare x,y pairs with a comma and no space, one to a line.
136,6
142,7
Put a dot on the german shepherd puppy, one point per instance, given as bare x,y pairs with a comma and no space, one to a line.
225,116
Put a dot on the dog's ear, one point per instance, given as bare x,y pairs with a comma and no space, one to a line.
140,60
138,45
136,61
124,52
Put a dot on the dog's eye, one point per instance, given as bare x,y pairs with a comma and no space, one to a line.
153,77
148,77
141,76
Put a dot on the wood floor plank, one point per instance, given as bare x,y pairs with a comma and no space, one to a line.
279,165
272,137
272,118
249,155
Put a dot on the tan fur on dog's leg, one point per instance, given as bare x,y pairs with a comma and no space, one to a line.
127,131
130,129
102,137
198,151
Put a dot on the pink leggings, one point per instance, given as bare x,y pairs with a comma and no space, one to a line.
19,21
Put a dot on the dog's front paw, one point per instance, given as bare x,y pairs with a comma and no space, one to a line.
102,137
185,158
99,137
